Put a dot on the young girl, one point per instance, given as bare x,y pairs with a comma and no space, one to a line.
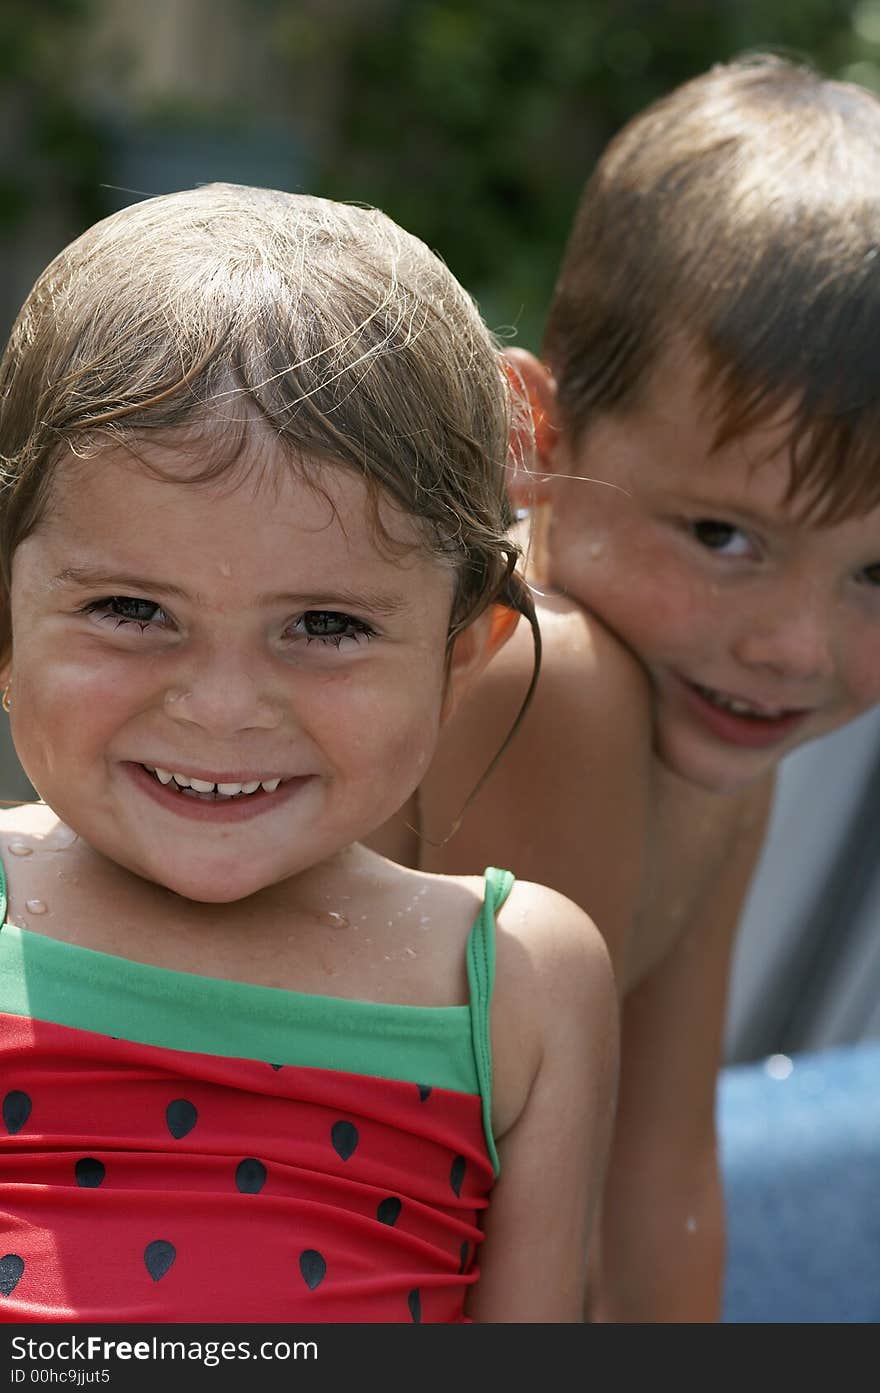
253,554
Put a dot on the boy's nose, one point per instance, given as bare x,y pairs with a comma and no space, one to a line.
792,645
222,698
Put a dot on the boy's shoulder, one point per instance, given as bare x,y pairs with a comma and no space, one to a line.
569,801
582,662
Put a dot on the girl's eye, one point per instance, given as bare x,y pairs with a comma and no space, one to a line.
127,609
718,536
329,626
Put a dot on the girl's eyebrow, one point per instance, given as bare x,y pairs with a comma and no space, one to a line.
95,578
377,602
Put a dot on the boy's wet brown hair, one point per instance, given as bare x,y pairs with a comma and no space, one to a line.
741,214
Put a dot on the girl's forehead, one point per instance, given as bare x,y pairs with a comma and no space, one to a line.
209,472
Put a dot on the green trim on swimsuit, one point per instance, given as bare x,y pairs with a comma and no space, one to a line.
60,982
441,1046
481,980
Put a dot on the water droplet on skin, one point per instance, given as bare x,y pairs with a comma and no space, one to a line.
425,919
333,920
596,549
691,1224
36,906
225,569
20,849
62,838
411,953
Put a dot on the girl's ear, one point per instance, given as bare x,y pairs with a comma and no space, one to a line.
534,429
472,650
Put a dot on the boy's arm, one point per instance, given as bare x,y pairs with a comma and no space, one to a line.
662,1229
554,1021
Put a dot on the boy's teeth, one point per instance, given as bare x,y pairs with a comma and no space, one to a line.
739,708
227,790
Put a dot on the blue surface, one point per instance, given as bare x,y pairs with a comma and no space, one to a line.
801,1164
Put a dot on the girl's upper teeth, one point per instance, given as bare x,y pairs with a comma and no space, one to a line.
228,790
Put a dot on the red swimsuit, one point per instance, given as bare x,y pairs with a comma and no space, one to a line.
183,1148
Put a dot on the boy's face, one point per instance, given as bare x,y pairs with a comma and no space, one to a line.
759,632
247,635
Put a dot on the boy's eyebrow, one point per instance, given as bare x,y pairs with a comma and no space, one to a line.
771,515
377,602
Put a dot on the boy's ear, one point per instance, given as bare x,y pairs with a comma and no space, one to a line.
472,650
534,429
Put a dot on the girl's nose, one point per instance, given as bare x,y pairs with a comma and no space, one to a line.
222,698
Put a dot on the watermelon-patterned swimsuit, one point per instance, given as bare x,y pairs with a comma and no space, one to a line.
182,1148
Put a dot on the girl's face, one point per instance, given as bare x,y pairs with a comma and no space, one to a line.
220,685
759,632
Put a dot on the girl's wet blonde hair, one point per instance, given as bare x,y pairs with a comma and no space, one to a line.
340,333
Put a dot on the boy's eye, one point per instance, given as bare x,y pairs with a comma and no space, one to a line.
329,626
720,536
871,574
128,609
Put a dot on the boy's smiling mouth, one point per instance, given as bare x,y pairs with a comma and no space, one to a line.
749,709
740,723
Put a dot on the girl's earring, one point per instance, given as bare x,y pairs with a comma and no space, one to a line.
5,701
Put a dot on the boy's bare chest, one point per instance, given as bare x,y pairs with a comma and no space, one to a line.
693,836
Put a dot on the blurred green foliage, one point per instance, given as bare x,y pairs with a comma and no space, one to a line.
474,123
49,140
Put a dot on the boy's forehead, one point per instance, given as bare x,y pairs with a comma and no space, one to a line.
671,441
685,398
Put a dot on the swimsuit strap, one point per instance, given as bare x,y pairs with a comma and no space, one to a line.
3,898
481,980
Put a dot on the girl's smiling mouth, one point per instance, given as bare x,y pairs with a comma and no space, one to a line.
223,798
218,788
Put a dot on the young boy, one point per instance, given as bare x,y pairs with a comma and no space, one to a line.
708,543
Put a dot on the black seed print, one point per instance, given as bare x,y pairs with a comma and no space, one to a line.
89,1172
456,1175
389,1210
16,1111
424,1092
464,1257
11,1268
159,1257
313,1268
414,1302
250,1176
276,1066
181,1116
344,1136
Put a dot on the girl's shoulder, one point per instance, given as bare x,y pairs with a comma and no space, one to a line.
33,825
